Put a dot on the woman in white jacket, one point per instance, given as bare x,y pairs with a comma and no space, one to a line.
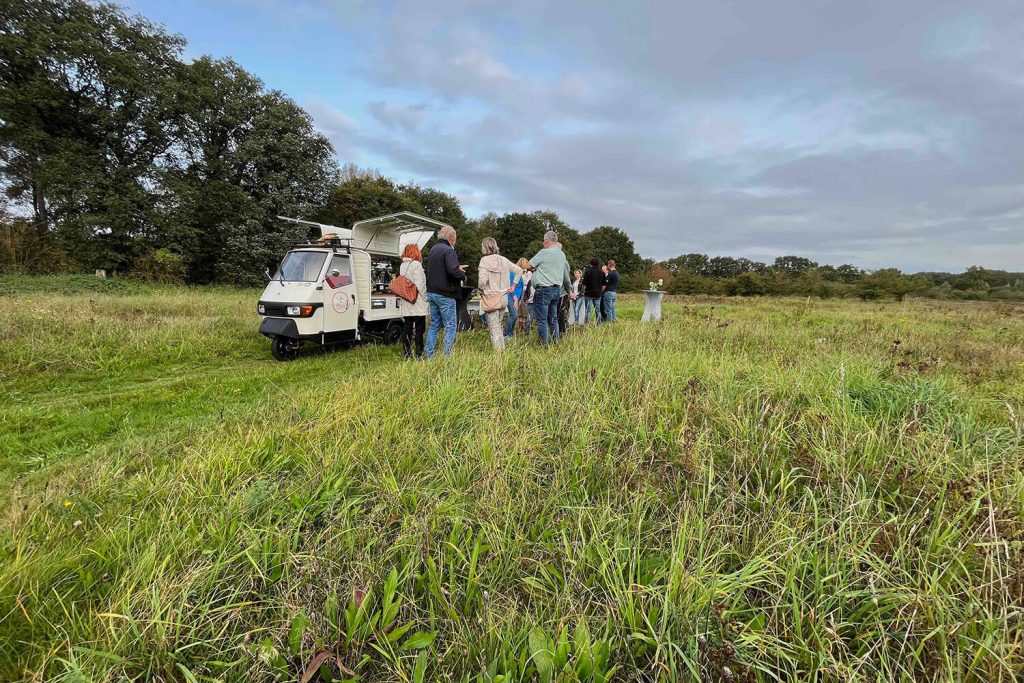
414,315
496,283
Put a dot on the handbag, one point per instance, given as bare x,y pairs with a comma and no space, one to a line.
489,303
403,288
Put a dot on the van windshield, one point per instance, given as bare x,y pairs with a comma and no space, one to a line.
301,266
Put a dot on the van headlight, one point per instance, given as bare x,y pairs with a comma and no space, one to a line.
261,309
299,311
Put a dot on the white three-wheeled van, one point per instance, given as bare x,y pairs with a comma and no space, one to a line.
335,290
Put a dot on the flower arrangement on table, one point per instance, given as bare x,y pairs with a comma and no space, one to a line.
655,285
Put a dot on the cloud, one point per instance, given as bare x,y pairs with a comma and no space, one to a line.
877,133
339,128
404,117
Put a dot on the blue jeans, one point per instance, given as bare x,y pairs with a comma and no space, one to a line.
595,304
545,302
577,310
609,305
442,314
513,315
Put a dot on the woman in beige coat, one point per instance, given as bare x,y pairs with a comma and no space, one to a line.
414,315
498,279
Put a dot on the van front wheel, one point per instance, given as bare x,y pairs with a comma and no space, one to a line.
283,348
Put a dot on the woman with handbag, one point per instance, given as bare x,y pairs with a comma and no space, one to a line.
414,313
496,273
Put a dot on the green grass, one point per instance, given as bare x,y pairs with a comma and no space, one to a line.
752,490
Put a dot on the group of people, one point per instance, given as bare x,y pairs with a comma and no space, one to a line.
539,290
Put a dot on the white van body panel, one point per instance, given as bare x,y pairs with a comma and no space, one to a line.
388,235
361,276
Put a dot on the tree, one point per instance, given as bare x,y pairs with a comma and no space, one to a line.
812,283
364,196
435,204
973,279
686,282
748,283
725,267
245,156
849,274
83,119
609,243
518,233
696,264
125,151
889,282
573,244
794,266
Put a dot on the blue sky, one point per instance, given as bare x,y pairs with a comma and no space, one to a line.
870,132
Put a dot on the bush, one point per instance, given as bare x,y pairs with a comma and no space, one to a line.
22,251
163,266
686,282
747,284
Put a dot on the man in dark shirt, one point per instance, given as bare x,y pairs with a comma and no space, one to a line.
592,287
611,292
444,277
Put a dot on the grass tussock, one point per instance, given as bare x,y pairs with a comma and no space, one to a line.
748,491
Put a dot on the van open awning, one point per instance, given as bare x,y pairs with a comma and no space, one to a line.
388,235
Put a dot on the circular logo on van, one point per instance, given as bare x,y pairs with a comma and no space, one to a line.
340,302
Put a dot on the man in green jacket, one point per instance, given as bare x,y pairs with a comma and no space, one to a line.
550,277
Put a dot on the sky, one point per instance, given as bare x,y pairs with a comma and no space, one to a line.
877,133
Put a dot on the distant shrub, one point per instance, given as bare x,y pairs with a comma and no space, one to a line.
686,282
1006,294
162,265
23,251
747,284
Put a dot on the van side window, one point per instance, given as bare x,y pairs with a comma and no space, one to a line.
340,264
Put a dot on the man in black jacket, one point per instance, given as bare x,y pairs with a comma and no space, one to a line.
592,287
444,277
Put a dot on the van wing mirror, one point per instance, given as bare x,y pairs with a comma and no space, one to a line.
266,274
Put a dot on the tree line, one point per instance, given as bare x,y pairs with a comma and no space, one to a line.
796,275
117,153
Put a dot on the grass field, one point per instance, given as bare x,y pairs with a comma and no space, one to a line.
752,490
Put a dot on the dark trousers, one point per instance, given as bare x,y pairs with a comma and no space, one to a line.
412,332
563,314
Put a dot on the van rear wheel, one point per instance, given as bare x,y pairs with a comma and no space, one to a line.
393,333
284,348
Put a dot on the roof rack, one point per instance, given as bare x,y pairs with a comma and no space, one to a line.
320,244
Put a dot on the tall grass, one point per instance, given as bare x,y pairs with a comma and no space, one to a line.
748,491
